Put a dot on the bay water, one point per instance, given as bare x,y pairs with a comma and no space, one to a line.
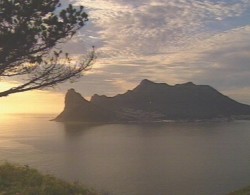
205,158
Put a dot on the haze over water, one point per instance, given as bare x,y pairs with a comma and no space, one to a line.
209,158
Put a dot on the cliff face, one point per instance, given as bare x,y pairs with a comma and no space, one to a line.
151,101
79,109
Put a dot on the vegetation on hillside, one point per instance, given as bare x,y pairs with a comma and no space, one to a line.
244,191
23,180
15,179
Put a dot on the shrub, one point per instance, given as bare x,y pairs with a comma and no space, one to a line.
23,180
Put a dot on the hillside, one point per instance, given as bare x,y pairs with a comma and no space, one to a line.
151,101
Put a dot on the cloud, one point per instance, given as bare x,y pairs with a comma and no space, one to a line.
172,41
169,41
144,27
224,59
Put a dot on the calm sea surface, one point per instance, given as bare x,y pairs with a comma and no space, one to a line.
210,158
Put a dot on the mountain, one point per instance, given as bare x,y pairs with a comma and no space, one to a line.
151,101
79,109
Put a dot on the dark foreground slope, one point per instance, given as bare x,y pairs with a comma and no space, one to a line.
151,101
26,181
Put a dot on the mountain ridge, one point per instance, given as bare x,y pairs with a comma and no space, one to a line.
150,101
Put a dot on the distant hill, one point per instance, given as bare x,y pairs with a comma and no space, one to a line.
150,102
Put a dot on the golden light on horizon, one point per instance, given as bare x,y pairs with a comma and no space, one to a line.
30,102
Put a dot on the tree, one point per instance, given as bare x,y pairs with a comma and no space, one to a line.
29,32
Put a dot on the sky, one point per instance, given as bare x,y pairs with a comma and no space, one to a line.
170,41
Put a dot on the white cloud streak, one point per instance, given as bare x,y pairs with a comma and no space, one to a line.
167,41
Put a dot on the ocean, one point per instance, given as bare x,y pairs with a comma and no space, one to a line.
204,158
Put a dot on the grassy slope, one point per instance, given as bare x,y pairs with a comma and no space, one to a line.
23,180
245,191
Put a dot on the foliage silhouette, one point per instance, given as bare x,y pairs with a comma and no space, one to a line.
29,32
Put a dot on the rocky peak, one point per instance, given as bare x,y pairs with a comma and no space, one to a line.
146,82
97,98
188,84
73,98
147,85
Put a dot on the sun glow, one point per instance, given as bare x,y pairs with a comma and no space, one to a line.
30,102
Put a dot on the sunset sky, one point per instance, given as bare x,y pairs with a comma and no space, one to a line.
172,41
